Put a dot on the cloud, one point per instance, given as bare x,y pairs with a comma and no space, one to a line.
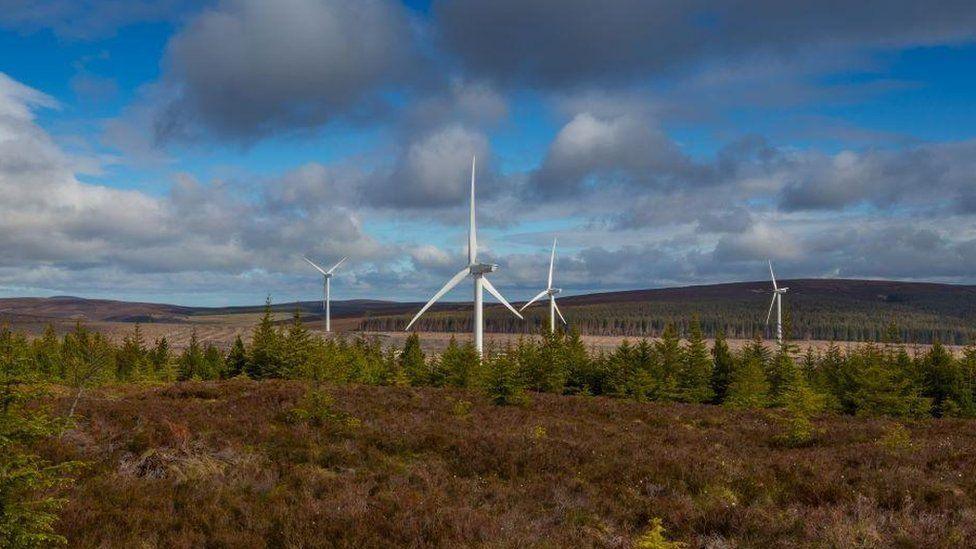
248,69
51,223
558,43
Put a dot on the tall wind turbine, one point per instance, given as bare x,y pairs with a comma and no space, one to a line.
778,302
477,271
551,292
326,298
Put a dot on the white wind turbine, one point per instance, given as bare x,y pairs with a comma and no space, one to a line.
551,292
778,301
477,271
326,299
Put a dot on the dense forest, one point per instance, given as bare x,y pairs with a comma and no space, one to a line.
830,310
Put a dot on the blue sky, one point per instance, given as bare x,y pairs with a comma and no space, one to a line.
191,152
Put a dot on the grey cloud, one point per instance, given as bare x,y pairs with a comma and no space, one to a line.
250,68
573,42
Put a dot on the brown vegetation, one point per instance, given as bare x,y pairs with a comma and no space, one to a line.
247,464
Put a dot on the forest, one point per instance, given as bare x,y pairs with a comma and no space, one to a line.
888,379
814,309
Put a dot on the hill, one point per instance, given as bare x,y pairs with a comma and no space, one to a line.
817,309
230,464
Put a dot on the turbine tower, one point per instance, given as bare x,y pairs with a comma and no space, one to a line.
778,302
477,271
326,298
551,292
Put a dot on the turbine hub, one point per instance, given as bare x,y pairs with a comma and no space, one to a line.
483,268
554,291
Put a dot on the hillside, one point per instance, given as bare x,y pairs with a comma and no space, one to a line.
818,309
228,464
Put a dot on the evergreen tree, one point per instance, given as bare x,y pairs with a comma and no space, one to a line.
694,377
296,349
131,362
160,359
579,370
236,362
191,364
503,384
946,384
749,388
47,354
723,362
28,511
264,355
665,377
414,363
782,375
213,362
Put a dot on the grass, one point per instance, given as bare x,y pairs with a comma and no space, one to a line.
285,464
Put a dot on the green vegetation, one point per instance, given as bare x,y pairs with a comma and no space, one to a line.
786,402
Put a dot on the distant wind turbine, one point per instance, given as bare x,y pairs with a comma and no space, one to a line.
778,302
477,271
326,299
551,292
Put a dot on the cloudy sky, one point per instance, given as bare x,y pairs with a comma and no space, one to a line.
191,152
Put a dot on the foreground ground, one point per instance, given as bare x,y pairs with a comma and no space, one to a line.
230,464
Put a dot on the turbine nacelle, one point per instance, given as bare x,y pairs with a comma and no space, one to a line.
482,268
554,291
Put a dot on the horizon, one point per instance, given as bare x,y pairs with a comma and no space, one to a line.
660,143
487,303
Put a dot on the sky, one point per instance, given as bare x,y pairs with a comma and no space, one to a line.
191,152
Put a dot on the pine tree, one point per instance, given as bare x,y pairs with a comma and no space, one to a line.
47,354
694,377
28,511
160,359
749,388
236,361
296,349
723,362
131,362
213,362
665,378
190,364
414,363
264,355
946,384
782,375
503,384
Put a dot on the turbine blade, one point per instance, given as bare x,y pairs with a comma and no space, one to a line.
447,287
770,313
312,263
534,299
493,291
771,275
552,262
558,312
336,266
472,230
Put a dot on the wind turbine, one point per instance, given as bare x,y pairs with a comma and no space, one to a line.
326,300
778,301
477,271
551,292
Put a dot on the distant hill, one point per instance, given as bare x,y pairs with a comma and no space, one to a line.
822,309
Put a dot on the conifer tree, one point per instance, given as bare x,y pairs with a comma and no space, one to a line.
723,362
694,377
191,364
782,375
236,361
578,364
28,511
665,378
213,362
131,362
503,384
945,384
748,388
160,359
296,349
264,354
414,363
47,354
